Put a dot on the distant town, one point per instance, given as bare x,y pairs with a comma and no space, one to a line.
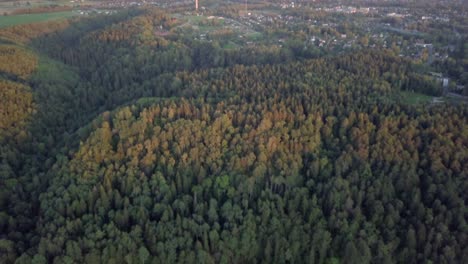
433,33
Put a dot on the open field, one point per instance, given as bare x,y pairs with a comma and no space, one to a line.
6,21
230,45
414,98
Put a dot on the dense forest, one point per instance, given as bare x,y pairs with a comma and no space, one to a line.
119,145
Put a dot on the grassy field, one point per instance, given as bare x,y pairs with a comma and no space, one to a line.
254,36
414,98
54,72
230,45
6,21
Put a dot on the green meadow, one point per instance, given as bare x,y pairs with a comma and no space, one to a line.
413,98
7,21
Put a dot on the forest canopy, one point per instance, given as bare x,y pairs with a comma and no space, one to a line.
122,145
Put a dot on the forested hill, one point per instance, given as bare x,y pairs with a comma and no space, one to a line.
119,146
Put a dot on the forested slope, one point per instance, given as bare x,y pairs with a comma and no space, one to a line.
310,171
139,149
